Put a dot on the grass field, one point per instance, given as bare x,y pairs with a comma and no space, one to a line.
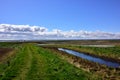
111,53
31,62
105,52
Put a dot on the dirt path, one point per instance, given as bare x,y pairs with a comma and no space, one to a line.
26,67
36,70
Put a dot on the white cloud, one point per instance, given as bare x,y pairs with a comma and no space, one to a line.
21,28
19,32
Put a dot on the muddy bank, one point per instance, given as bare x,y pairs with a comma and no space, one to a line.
4,52
91,58
94,55
99,56
101,70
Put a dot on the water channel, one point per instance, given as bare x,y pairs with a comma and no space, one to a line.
91,58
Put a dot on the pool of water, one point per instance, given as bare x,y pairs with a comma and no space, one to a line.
91,58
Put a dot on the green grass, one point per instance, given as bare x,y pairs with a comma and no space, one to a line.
9,44
112,52
35,63
105,52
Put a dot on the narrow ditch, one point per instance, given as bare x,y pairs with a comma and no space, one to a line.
108,63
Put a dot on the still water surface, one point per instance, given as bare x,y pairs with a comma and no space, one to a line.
91,58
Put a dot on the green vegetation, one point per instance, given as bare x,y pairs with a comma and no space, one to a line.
110,52
106,73
9,44
35,63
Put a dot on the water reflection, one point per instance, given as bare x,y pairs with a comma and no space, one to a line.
91,58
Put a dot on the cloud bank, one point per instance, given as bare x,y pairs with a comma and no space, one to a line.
27,32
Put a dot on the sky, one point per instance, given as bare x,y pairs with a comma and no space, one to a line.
64,15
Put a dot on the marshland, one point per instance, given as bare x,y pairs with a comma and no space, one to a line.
42,60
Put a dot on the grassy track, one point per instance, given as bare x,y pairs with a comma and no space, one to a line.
35,63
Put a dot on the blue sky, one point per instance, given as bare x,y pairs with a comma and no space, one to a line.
89,15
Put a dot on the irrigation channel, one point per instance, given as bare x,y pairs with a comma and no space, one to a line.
92,58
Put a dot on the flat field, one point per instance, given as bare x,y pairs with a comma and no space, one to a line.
30,61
